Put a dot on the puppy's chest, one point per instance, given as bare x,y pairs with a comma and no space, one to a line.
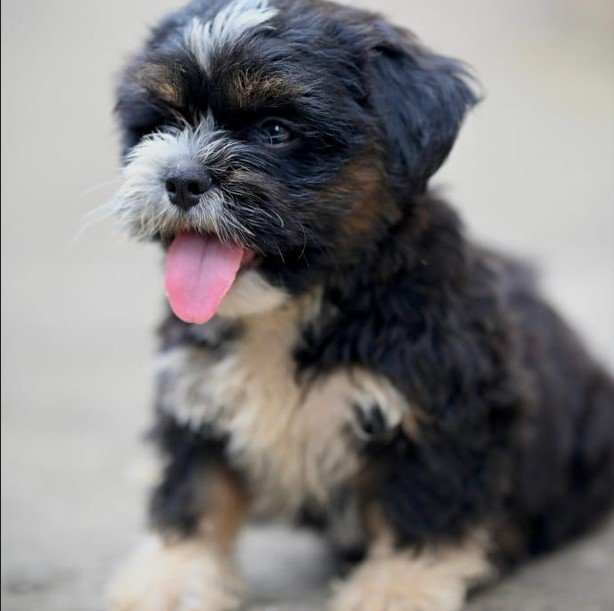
292,441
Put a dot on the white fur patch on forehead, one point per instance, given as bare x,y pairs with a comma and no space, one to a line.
232,22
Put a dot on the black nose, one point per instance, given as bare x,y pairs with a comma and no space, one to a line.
186,183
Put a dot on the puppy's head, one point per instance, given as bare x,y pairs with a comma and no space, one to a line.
269,144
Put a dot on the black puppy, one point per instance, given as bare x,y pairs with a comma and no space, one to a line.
338,352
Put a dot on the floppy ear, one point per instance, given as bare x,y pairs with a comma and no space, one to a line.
420,99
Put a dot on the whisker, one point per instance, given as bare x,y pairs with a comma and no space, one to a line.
94,188
93,217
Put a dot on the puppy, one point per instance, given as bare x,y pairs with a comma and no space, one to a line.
338,352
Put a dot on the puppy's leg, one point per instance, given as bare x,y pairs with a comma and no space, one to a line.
377,408
187,563
431,578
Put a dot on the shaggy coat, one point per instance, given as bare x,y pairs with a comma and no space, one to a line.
373,373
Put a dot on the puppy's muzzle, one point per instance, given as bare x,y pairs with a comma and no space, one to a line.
187,183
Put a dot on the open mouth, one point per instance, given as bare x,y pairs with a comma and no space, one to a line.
199,272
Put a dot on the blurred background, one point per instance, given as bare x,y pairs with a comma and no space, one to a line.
532,172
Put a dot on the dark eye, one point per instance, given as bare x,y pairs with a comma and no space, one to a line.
275,133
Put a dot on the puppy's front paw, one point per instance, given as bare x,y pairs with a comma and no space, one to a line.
432,580
376,408
185,576
387,585
371,422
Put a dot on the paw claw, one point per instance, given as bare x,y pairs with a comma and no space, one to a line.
371,422
375,407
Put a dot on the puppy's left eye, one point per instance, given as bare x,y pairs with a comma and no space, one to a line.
274,133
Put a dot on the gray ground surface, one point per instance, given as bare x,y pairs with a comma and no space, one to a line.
532,173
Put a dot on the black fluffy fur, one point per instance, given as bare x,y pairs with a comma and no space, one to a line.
520,431
518,427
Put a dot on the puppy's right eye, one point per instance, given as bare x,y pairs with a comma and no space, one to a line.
274,133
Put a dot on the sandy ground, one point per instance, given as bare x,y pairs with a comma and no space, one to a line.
532,173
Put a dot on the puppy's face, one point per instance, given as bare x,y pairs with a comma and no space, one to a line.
271,144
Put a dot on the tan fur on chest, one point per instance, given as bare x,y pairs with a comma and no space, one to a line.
292,441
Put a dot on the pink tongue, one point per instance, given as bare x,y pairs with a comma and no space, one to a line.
199,271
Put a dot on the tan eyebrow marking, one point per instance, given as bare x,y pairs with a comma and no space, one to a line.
162,81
